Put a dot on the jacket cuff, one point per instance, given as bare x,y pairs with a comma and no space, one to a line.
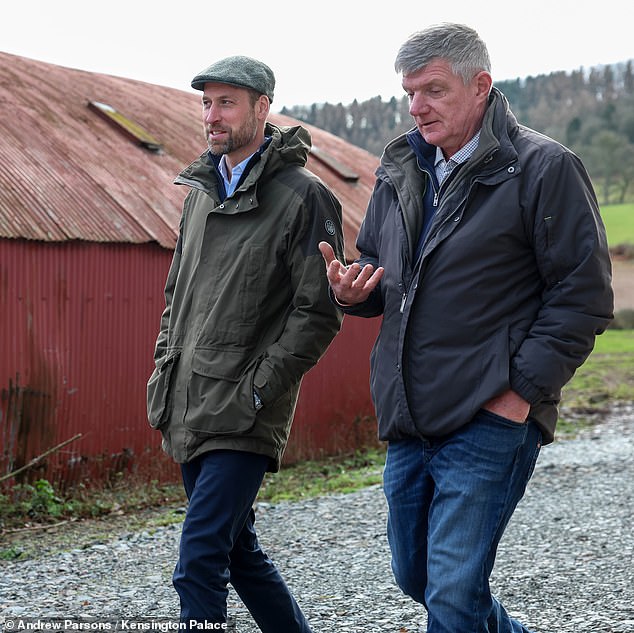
524,388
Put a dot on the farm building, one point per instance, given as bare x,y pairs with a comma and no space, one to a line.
88,222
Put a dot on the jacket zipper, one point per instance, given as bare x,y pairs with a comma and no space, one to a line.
436,196
436,191
435,204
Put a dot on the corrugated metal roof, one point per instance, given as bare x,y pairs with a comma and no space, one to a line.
66,174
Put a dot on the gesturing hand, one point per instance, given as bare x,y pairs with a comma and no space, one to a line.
350,284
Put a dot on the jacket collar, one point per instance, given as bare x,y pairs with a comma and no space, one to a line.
498,127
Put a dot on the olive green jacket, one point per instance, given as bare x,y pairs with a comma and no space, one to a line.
247,305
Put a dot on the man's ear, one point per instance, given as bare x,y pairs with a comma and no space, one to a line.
483,83
262,107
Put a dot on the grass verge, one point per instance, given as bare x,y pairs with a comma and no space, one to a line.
331,475
86,517
602,382
38,504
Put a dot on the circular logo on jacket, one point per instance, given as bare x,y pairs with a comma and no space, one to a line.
330,227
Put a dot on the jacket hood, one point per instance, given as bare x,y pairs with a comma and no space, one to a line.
291,143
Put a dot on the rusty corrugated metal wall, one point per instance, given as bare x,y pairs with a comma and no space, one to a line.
334,414
78,323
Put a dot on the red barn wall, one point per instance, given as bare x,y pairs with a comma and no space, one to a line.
78,322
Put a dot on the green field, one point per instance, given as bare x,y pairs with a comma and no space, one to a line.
619,223
607,377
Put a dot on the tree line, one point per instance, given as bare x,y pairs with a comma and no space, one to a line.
589,111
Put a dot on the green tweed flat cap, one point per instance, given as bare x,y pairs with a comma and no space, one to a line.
238,70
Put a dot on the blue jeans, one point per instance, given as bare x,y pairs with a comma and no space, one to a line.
449,502
219,545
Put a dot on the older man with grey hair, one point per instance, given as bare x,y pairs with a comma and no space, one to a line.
484,252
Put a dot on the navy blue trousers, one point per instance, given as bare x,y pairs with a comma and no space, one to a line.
219,545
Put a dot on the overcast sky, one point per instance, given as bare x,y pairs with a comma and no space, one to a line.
322,50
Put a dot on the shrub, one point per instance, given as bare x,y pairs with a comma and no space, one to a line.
623,251
38,501
623,319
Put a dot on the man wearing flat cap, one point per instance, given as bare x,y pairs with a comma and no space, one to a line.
247,315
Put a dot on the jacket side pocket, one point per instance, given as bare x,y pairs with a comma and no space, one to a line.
220,392
158,388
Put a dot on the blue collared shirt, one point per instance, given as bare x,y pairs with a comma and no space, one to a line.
237,172
445,167
232,182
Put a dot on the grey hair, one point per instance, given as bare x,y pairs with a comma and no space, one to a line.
458,44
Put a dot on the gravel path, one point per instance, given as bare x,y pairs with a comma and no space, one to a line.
566,563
